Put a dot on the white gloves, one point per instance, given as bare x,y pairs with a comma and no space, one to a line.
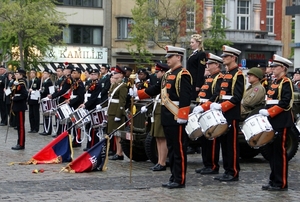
16,83
144,109
134,92
130,92
181,121
198,109
98,107
216,106
117,119
264,112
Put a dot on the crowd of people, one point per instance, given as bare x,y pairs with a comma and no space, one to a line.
172,88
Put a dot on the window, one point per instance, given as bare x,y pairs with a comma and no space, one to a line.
220,12
83,3
166,30
82,35
243,15
190,17
124,28
270,17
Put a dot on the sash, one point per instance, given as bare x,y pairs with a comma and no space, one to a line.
169,104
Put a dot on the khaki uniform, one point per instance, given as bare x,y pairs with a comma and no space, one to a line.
254,96
157,129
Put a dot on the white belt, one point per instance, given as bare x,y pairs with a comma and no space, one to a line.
73,96
226,97
202,100
114,100
17,95
157,100
272,102
175,102
88,94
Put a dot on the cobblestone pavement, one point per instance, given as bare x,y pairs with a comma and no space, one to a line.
18,183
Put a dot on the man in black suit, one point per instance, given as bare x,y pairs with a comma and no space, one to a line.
33,102
3,81
19,97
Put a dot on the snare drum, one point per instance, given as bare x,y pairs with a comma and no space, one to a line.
63,112
98,118
193,128
257,130
48,106
213,124
77,117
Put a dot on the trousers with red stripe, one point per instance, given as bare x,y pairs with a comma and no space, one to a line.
210,152
278,158
177,143
230,149
20,118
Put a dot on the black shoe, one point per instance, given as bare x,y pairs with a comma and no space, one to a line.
117,157
85,149
44,134
198,150
190,150
206,171
175,185
111,153
32,131
265,187
166,184
228,178
3,124
76,144
16,128
29,131
159,168
154,166
18,147
274,188
220,176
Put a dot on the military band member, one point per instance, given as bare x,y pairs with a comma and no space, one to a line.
143,77
44,92
278,110
104,82
296,80
93,100
60,77
228,98
116,109
255,93
176,93
10,82
63,92
210,148
267,75
3,82
76,99
19,97
33,102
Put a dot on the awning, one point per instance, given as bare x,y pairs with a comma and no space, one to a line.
53,66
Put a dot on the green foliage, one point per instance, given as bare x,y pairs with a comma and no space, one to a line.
28,28
215,36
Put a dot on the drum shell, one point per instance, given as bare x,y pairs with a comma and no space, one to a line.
193,128
99,118
48,106
63,113
77,115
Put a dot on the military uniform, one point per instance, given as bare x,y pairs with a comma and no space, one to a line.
104,83
19,106
34,107
278,106
3,112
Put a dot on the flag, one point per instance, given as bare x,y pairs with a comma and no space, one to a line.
57,151
95,159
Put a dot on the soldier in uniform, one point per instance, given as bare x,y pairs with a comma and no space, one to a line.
93,100
19,97
176,93
76,99
255,93
210,148
278,110
296,80
267,77
44,92
116,109
143,77
228,98
10,82
60,77
104,82
3,82
33,102
63,92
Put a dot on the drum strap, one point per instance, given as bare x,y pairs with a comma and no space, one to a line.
169,104
279,93
112,94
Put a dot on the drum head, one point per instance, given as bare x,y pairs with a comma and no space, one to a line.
216,131
196,134
261,139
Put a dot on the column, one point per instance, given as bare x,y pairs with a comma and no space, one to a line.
256,13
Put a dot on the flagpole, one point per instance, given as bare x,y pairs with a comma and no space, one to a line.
131,137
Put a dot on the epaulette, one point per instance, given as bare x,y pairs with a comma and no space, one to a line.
240,72
69,81
221,75
285,79
185,71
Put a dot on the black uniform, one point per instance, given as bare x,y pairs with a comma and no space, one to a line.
12,117
47,119
175,133
210,148
281,120
104,83
34,113
196,64
232,86
19,98
3,111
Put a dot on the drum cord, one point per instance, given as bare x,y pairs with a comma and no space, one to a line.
55,129
100,134
49,122
84,135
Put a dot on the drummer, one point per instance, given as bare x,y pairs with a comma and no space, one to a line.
92,100
279,111
228,98
76,99
210,148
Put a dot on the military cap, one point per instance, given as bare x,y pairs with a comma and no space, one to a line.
70,67
161,67
126,68
60,67
227,50
94,71
47,70
211,58
119,70
280,61
256,72
2,66
262,65
106,66
172,50
21,71
77,69
297,71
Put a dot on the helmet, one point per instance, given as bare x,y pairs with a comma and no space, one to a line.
256,72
